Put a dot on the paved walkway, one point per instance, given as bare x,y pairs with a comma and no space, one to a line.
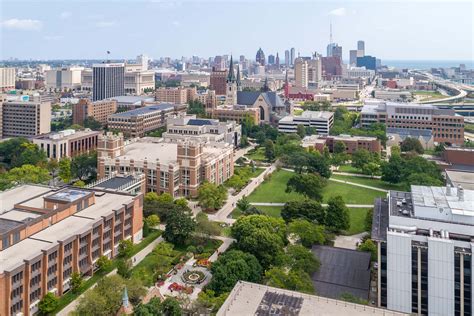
282,204
359,185
348,242
135,260
229,206
243,151
226,242
356,175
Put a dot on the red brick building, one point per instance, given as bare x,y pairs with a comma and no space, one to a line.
353,143
459,156
218,81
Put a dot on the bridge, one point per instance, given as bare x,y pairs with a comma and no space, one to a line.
460,90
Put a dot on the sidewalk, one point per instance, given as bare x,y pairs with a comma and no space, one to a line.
135,260
229,206
358,185
356,175
282,204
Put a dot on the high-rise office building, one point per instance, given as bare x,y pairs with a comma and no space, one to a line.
287,58
277,61
301,73
143,60
368,62
424,242
271,59
361,47
353,57
7,78
108,81
260,57
292,56
314,71
24,118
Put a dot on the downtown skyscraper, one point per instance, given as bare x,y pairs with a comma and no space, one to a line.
108,80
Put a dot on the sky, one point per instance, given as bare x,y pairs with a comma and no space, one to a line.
86,29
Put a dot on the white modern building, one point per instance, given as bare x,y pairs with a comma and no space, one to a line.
425,246
68,78
7,78
322,121
188,127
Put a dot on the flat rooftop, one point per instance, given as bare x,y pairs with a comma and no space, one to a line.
146,148
144,110
66,134
255,299
463,178
104,204
439,197
26,249
115,183
132,99
9,198
316,115
342,271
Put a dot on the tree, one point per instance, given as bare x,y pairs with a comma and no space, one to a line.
411,144
294,280
369,246
153,220
304,209
337,214
124,267
170,307
392,170
301,258
205,226
65,170
234,266
76,281
125,248
339,147
307,232
318,164
84,166
360,157
153,307
300,130
243,204
104,263
210,300
196,107
211,196
27,174
269,150
262,236
48,304
370,169
19,152
179,226
422,179
79,184
368,220
92,123
244,141
309,185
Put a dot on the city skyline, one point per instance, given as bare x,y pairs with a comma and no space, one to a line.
60,30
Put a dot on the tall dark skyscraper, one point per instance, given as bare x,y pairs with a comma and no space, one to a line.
361,48
287,58
107,81
260,57
292,56
271,59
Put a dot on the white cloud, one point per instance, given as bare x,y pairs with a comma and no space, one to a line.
105,24
22,24
53,37
65,14
338,12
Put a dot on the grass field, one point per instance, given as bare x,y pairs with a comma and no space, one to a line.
258,154
348,169
368,181
428,95
357,221
273,190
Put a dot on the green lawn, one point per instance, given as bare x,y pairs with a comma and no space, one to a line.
273,190
273,211
348,169
257,154
357,221
368,181
254,174
429,95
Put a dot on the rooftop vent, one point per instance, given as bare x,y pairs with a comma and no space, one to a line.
460,193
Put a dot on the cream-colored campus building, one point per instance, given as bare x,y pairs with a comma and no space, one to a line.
24,119
177,168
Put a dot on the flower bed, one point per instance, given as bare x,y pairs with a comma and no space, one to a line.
193,277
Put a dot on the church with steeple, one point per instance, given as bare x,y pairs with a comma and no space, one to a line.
233,84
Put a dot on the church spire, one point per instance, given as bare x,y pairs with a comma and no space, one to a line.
231,74
238,80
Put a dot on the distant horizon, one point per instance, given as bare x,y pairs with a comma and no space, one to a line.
59,29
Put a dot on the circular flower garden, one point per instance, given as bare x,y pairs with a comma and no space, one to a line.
193,277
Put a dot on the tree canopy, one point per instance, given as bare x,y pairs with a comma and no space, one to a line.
309,185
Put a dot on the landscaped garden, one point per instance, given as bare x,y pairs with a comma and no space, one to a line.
257,154
155,266
273,211
273,191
